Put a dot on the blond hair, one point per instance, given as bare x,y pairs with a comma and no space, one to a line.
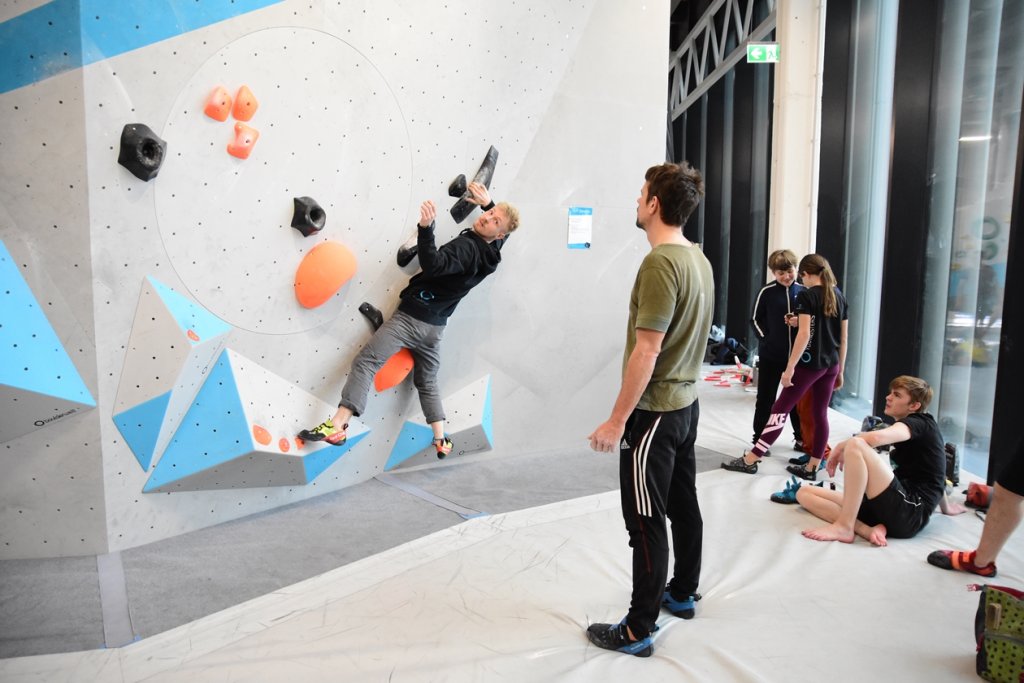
512,213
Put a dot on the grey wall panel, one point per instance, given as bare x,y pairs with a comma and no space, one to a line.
51,491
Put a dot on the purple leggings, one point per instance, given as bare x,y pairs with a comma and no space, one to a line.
820,383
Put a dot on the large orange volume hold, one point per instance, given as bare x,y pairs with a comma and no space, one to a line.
393,371
322,273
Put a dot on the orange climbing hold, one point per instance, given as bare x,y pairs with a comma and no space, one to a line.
192,335
393,371
322,272
245,104
218,104
284,445
261,435
245,140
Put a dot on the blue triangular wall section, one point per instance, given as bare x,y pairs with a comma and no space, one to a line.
411,440
33,356
318,461
188,315
210,433
140,427
487,420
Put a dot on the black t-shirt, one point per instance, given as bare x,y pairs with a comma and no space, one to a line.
920,463
826,332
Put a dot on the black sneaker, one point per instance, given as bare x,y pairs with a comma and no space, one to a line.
802,472
739,465
799,446
614,637
684,609
802,460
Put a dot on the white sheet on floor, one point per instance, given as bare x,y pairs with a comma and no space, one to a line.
508,597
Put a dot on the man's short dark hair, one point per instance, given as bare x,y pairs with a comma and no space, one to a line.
678,188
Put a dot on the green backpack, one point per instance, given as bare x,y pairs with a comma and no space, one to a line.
999,629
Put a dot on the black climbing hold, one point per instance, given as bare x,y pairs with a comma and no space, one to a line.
464,207
309,218
142,151
457,187
372,314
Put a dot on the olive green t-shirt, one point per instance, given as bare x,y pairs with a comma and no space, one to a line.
674,293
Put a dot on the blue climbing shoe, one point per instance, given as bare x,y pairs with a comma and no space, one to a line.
787,496
615,637
684,609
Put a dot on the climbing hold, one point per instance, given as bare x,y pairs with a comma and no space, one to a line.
218,104
245,104
464,207
393,371
372,314
308,218
322,273
261,435
457,187
142,151
245,140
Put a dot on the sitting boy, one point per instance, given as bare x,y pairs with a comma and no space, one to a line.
877,502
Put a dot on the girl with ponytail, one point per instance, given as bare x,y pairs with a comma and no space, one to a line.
815,365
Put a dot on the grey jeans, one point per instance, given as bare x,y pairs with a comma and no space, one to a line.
400,331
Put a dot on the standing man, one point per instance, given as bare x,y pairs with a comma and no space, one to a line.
654,420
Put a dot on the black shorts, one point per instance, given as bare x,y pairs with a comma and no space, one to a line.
1012,476
902,514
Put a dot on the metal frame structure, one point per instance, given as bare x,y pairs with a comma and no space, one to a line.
705,47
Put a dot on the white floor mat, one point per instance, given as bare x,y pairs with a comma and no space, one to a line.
508,597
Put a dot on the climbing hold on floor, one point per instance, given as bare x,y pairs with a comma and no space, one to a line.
457,187
245,104
322,273
308,218
372,314
393,371
218,104
142,151
245,140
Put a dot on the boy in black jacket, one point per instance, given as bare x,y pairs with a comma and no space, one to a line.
448,273
775,325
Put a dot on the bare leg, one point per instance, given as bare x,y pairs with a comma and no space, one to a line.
341,417
865,474
1004,515
438,428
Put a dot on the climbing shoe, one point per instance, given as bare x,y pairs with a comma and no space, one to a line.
444,447
961,560
325,431
615,637
739,465
684,609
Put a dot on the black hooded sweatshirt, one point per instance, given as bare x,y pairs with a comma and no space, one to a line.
448,274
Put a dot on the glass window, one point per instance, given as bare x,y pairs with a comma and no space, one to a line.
980,80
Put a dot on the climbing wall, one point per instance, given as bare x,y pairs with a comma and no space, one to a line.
194,284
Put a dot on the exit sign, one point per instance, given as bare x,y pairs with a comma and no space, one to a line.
762,53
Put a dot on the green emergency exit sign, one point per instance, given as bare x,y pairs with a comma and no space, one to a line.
762,53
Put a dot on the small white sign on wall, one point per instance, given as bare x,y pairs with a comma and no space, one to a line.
581,227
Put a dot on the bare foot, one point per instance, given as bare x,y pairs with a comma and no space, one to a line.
876,534
830,533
